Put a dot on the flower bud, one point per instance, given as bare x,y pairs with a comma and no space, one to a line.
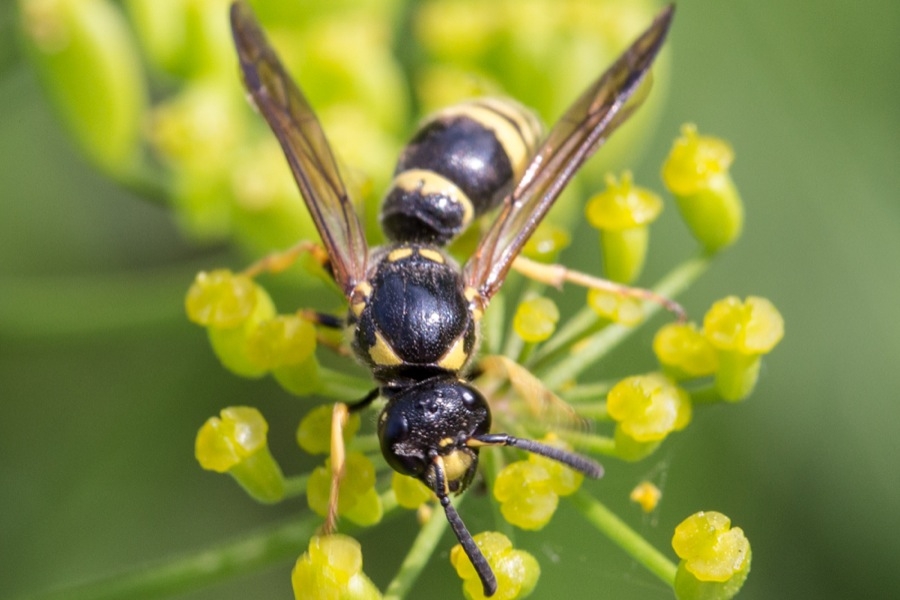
625,310
358,501
517,571
314,432
332,568
84,51
696,173
231,307
286,345
536,319
715,557
648,407
684,352
741,332
529,490
547,242
186,39
646,495
409,491
236,444
622,213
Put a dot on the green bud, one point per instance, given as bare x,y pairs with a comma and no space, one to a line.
331,568
231,307
715,557
301,379
358,500
85,54
546,243
696,172
741,332
622,213
648,407
620,309
183,37
409,491
236,444
684,352
517,571
314,432
536,319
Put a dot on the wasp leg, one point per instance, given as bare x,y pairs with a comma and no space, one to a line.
576,461
279,261
339,417
488,580
556,275
333,342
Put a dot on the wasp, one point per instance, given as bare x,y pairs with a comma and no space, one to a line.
413,312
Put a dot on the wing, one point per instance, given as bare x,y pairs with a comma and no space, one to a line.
307,150
578,134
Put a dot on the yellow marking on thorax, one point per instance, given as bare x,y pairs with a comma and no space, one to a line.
399,254
382,354
359,297
455,358
432,255
471,294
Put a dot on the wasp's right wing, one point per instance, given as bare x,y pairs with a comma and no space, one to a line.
605,105
307,150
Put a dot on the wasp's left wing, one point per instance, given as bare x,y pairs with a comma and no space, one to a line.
307,150
585,126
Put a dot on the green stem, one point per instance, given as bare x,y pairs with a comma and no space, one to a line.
624,536
148,183
295,485
707,394
419,554
597,345
185,573
579,325
587,393
589,442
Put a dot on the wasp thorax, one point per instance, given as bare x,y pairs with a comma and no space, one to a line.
436,417
414,320
460,164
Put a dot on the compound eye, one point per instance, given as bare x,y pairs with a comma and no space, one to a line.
472,398
400,454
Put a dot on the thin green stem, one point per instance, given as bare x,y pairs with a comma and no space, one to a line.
194,571
579,325
148,183
588,392
597,345
706,395
419,554
595,412
589,442
295,485
624,536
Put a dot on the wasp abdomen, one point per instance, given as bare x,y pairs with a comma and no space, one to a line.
460,164
414,320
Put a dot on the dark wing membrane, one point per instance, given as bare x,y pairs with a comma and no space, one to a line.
307,150
578,134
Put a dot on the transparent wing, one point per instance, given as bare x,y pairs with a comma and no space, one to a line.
536,404
307,150
605,105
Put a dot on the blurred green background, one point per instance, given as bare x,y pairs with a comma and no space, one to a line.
103,382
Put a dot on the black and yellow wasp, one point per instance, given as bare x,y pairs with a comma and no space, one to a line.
414,314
